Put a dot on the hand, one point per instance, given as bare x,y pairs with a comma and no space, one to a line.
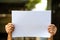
52,29
9,28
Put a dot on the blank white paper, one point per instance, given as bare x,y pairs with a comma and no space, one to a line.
31,23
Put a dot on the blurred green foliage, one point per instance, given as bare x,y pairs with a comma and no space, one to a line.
31,4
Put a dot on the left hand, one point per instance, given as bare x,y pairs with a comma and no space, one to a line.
9,28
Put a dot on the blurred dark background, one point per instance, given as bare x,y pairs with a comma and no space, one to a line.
56,17
5,13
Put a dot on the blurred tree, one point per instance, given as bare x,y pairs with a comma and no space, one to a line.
31,4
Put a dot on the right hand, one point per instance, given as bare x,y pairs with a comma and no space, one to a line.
52,29
9,28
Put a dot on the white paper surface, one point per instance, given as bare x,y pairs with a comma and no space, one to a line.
31,23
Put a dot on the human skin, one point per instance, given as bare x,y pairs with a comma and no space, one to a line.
10,28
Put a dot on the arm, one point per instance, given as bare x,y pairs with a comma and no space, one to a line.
9,37
9,29
51,38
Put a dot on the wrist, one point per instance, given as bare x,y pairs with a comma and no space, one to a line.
10,34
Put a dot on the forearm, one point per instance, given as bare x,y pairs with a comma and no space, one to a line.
9,37
51,38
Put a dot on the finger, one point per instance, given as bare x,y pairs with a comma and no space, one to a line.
9,23
51,32
55,30
11,29
6,27
51,25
